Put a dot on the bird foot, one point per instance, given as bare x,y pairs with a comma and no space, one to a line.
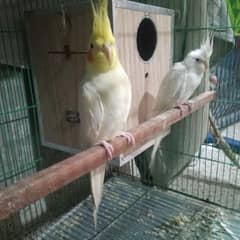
180,107
189,105
213,80
108,147
130,138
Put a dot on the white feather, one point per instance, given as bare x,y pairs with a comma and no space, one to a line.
104,105
179,85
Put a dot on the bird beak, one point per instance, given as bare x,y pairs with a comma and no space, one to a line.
108,52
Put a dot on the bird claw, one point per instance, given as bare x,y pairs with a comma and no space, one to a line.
180,107
130,138
189,105
108,147
213,80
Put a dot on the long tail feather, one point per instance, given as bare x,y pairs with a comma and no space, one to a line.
97,181
156,146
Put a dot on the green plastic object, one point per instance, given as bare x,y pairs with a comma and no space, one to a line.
234,13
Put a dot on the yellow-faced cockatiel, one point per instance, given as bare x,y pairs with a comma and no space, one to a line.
105,95
180,83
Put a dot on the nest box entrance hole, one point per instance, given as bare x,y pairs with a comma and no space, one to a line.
146,39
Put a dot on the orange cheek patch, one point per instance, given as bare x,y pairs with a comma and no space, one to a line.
90,57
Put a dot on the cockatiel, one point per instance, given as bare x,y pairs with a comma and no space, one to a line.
104,97
180,83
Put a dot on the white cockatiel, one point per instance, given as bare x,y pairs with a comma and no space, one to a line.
104,95
180,83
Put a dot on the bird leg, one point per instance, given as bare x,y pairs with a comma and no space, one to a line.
108,147
130,138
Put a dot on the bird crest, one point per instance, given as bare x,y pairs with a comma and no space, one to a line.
101,22
207,45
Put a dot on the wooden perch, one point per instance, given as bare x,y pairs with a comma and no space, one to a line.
42,183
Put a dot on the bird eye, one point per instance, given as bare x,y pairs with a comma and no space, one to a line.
197,59
91,46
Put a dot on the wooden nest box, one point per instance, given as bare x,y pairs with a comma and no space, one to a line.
57,41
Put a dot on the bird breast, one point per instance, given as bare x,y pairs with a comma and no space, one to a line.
114,90
193,80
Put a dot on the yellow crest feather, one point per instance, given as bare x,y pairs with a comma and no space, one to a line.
101,22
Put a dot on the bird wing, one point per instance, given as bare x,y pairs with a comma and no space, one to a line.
170,88
91,114
168,96
91,120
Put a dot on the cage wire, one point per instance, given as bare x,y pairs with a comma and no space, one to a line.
191,166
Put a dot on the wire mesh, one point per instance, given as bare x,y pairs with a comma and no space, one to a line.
130,210
211,176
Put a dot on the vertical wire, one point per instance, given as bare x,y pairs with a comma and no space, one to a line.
8,88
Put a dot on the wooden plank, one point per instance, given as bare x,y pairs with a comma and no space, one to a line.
39,185
57,77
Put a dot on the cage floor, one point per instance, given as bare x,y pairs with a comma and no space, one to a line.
130,210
